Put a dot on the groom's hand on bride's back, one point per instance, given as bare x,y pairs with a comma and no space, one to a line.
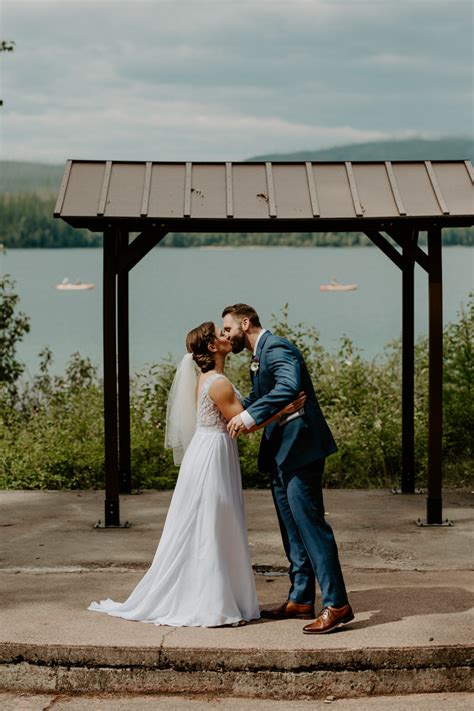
295,405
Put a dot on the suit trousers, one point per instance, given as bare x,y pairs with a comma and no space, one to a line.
308,539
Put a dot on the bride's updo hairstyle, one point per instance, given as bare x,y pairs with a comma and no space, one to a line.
197,342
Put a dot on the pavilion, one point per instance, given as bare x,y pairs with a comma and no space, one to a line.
391,202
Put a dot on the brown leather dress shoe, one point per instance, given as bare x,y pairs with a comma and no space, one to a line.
329,618
289,610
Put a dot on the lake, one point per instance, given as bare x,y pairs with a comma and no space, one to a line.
172,290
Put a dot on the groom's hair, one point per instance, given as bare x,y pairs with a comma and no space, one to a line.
239,311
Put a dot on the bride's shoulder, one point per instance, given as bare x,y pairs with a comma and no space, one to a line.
221,388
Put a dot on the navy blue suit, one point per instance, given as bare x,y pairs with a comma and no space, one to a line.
294,455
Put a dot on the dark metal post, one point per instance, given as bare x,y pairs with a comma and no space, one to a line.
125,467
434,502
112,510
408,373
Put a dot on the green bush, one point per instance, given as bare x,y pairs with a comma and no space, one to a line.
13,326
51,436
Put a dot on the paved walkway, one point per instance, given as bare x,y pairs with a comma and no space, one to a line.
104,702
411,589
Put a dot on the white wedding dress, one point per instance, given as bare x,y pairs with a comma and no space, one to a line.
201,575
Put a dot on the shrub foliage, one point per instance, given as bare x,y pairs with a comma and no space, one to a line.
51,435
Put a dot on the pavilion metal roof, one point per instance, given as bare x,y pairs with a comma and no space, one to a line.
265,196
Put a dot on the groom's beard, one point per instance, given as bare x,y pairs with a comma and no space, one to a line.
238,342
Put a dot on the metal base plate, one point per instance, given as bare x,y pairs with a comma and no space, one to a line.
99,524
423,524
407,493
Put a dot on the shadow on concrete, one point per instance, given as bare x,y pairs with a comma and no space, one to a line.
394,604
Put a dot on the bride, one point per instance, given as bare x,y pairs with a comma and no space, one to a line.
201,575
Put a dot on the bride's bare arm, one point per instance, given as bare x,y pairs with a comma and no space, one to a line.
223,395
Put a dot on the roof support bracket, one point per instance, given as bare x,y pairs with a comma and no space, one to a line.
410,247
136,250
386,247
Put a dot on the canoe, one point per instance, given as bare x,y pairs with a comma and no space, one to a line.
338,287
74,287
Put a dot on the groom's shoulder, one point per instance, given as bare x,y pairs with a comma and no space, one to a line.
274,341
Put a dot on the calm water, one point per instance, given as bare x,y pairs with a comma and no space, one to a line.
172,290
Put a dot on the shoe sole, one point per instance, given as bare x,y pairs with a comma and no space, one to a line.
288,617
345,621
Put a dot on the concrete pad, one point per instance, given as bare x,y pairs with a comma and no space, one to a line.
374,529
62,702
411,589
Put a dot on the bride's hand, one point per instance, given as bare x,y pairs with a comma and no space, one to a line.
294,406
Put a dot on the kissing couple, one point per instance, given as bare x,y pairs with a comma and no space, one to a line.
201,575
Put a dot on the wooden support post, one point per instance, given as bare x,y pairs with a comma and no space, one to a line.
125,466
112,506
408,371
434,499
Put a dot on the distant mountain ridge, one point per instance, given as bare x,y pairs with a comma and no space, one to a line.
409,149
19,177
23,177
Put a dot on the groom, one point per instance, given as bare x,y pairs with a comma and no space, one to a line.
293,451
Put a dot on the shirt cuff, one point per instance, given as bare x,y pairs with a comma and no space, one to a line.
247,419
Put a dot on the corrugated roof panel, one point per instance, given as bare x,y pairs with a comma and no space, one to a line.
333,190
415,189
167,190
208,191
125,193
250,191
458,192
292,196
93,192
83,189
375,193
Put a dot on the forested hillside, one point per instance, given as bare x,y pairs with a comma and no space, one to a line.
26,220
411,149
16,177
28,193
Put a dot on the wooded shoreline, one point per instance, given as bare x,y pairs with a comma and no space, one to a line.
26,221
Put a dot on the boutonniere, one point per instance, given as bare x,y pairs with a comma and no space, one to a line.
255,364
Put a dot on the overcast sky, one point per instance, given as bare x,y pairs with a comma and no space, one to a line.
228,79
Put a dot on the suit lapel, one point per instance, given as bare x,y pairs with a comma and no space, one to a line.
258,354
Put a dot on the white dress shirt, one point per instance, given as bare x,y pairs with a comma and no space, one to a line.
246,418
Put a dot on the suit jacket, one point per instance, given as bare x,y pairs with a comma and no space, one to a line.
281,375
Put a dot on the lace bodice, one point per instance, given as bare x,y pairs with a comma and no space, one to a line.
208,414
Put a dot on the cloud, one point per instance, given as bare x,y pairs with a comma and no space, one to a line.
224,79
200,133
